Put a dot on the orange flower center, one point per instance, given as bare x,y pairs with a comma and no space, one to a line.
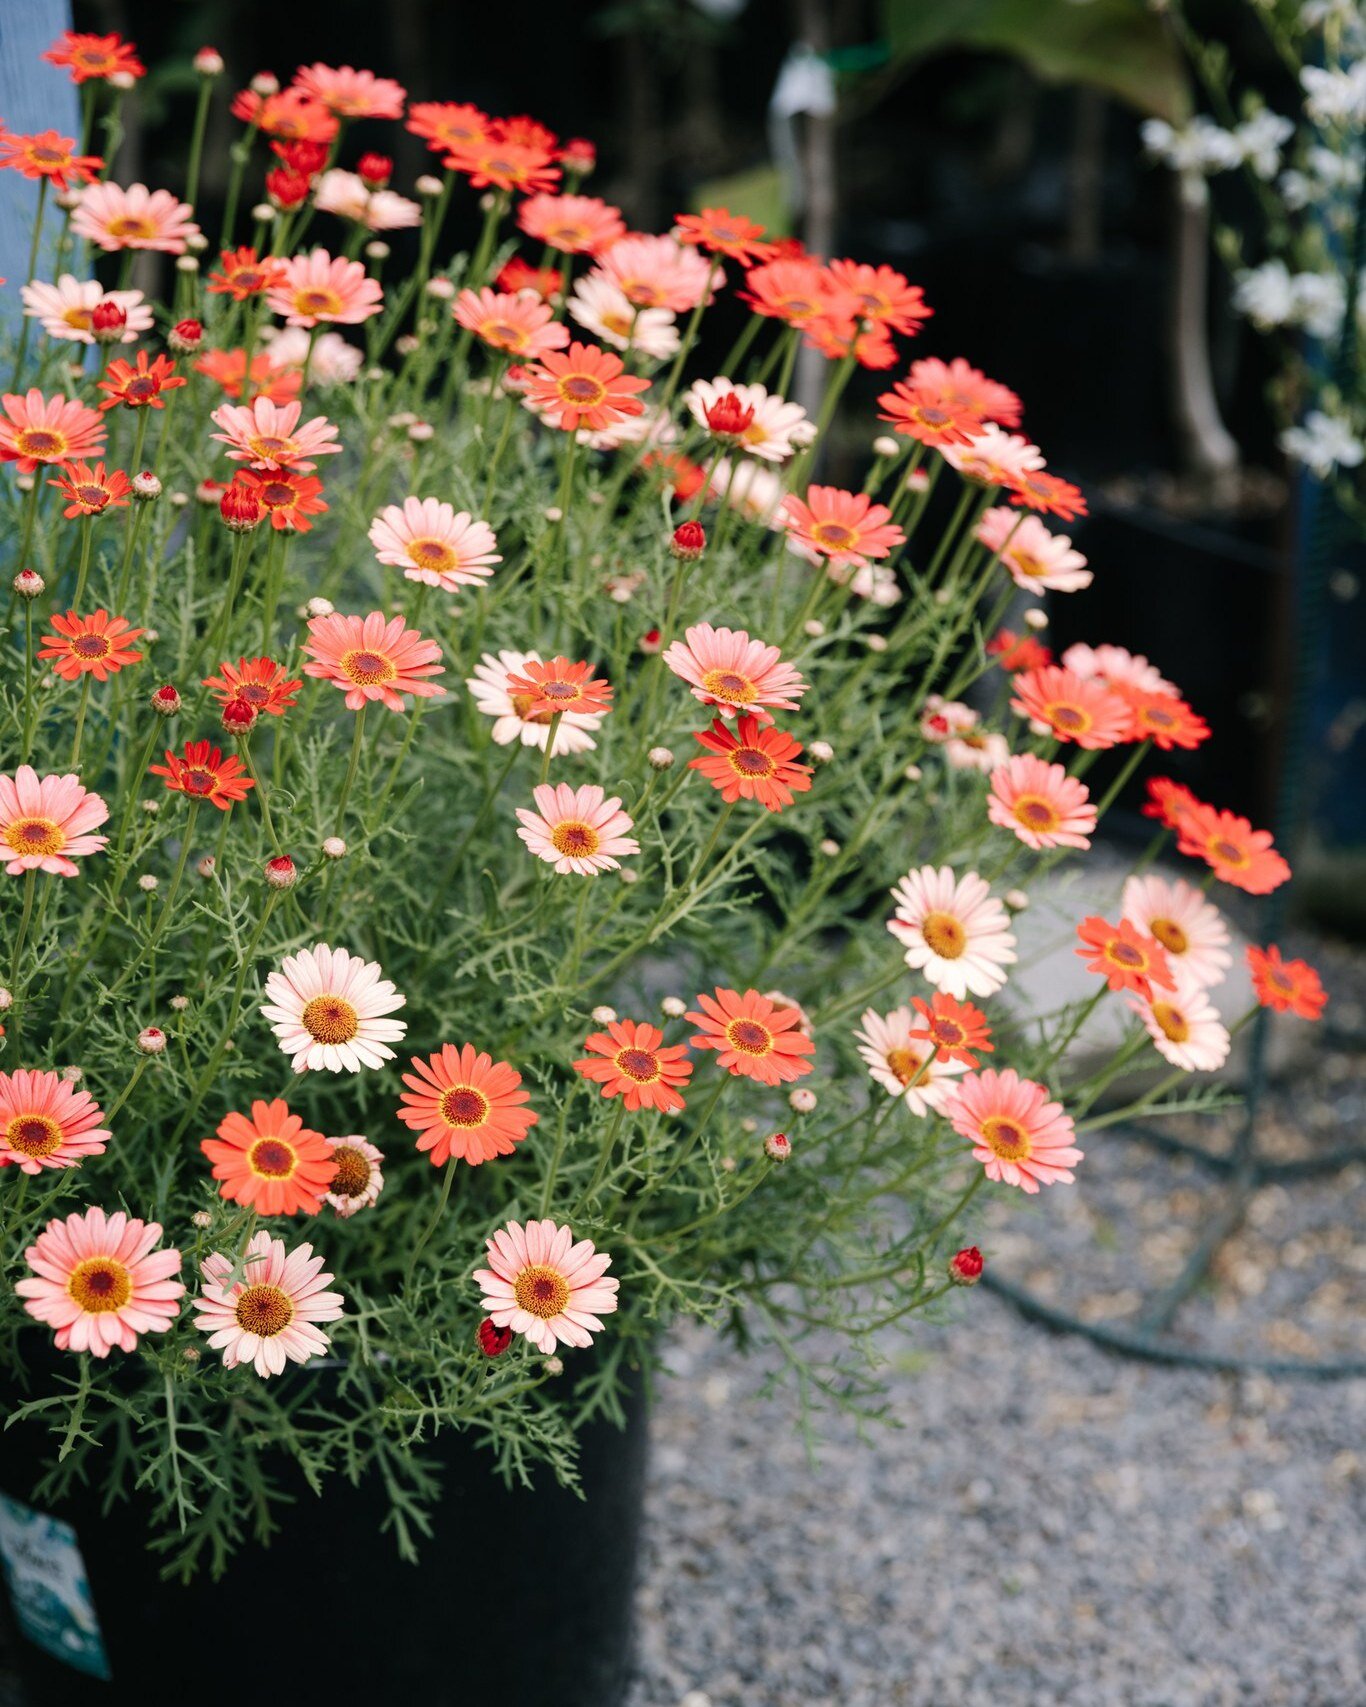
727,685
581,390
352,1178
1025,561
329,1019
33,1135
752,762
1170,1021
464,1106
368,668
905,1066
317,301
93,646
1071,718
78,318
944,935
1005,1138
432,554
621,324
541,1291
748,1037
834,534
100,1285
1157,717
1125,954
575,839
43,836
41,443
642,1065
264,1310
1036,813
130,225
273,1158
1229,852
1169,934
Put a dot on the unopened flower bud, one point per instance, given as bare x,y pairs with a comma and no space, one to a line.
650,642
777,1146
147,883
1036,618
828,846
207,866
334,848
814,628
374,170
689,541
427,185
151,1040
208,62
674,1006
287,190
73,1075
628,875
875,642
180,1003
913,773
6,999
406,345
263,213
802,1101
185,337
554,1366
965,1266
660,758
319,606
239,509
238,717
917,480
603,1015
265,83
165,701
821,752
579,156
1016,900
493,1342
442,289
554,513
201,1219
123,81
421,431
28,583
377,250
187,263
281,872
146,486
107,322
150,806
885,445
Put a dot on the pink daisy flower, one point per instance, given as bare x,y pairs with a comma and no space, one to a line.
47,1123
268,435
431,543
1041,803
656,272
36,429
45,822
320,288
134,218
724,667
519,324
775,429
329,1009
905,1066
954,931
351,94
517,717
1064,704
359,1178
1016,1133
604,309
270,1316
542,1284
65,308
348,196
846,527
1189,927
576,829
1116,667
993,457
575,225
369,658
1184,1025
1038,561
99,1281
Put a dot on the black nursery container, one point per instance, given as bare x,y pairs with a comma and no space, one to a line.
523,1597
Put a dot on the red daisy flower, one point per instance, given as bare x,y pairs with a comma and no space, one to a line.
245,275
204,774
1287,986
516,274
139,386
1126,957
46,154
91,489
99,645
883,296
444,125
1073,708
752,763
90,56
958,1030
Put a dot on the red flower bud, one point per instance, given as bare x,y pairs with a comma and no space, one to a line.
375,170
965,1268
240,509
107,321
689,541
28,583
165,701
579,156
286,189
305,158
185,337
728,417
649,641
238,717
281,872
778,1147
493,1342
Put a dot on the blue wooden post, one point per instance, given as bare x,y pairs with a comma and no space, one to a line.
33,96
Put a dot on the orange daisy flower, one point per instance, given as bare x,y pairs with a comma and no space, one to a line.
99,645
845,527
290,116
1126,957
629,1060
204,774
228,368
795,291
516,274
1234,851
883,295
1034,489
288,497
721,232
498,165
752,763
958,1030
139,386
244,274
444,125
465,1105
1287,986
1164,719
1017,652
584,386
35,429
90,56
1073,708
561,686
261,682
754,1037
272,1162
1169,802
46,154
91,489
924,414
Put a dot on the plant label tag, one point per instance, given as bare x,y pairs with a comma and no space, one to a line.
48,1588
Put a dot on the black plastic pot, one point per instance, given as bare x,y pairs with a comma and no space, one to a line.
522,1597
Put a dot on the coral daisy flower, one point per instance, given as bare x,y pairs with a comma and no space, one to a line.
287,496
752,763
265,685
100,1281
466,1106
954,930
656,272
245,274
268,435
204,774
1189,928
561,686
768,426
271,1162
371,659
725,667
431,543
541,1284
228,369
270,1316
139,385
882,295
993,457
1126,957
575,225
920,412
1164,719
1044,806
958,1031
89,56
1288,986
496,164
134,218
1185,1026
351,94
903,1063
99,645
1073,709
515,274
1017,652
91,490
845,527
837,336
1037,490
584,386
443,125
1038,561
1114,666
359,1176
604,309
517,716
292,115
960,384
46,154
45,822
577,829
47,1123
36,429
66,309
754,1037
630,1060
321,289
1016,1133
1169,802
329,1009
1233,850
795,291
721,232
520,325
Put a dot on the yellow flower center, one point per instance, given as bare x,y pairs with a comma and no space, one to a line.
41,836
33,1135
1005,1138
581,390
905,1065
748,1037
317,301
1170,1021
752,762
727,685
130,225
352,1178
92,646
642,1065
100,1285
575,839
329,1019
367,669
1036,813
541,1291
41,443
834,535
1126,955
1169,934
1071,719
272,1158
464,1106
944,935
264,1310
432,554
